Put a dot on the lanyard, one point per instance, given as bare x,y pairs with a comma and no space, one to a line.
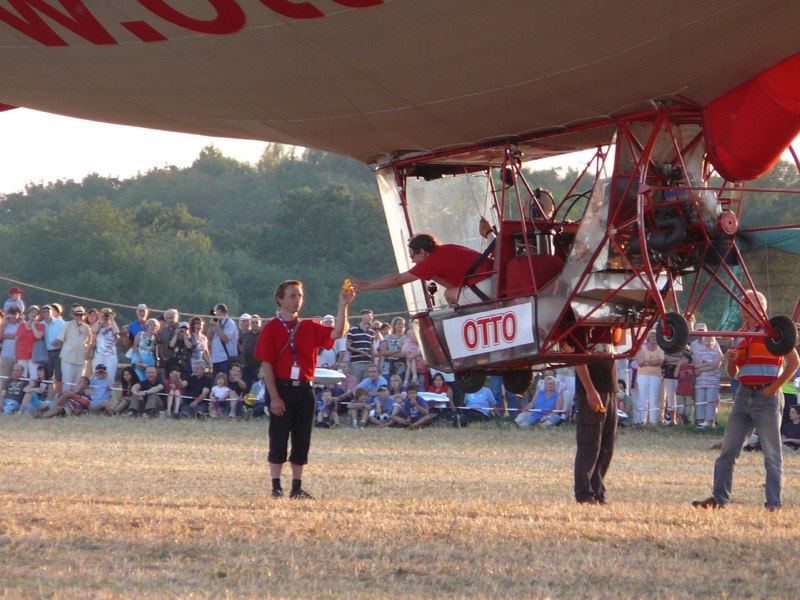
290,331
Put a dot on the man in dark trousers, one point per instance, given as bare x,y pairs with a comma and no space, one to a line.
596,396
287,349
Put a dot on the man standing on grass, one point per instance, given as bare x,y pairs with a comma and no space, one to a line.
287,349
596,390
757,405
361,345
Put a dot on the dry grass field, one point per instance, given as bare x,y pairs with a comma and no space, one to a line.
97,507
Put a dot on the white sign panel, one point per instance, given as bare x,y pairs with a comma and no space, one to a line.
488,331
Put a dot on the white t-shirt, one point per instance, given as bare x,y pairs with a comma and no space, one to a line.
220,392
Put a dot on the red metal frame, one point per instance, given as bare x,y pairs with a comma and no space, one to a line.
688,260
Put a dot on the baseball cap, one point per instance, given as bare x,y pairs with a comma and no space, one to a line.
106,311
701,327
246,316
183,325
100,367
142,307
328,318
57,306
78,310
383,387
15,290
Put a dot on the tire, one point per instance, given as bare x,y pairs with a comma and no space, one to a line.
785,336
677,337
470,381
518,381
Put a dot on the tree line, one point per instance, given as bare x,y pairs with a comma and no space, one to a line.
217,231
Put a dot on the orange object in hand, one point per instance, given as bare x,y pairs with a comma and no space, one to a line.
347,287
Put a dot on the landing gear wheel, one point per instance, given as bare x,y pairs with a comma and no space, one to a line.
470,381
673,334
518,381
785,336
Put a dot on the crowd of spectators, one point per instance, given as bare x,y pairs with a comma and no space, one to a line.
205,366
56,362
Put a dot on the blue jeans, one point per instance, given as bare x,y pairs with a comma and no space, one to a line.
512,401
220,367
250,376
752,410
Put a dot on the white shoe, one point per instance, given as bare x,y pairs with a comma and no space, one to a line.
703,425
355,424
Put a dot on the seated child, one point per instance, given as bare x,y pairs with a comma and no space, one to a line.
415,410
221,394
382,412
259,391
360,404
326,415
175,387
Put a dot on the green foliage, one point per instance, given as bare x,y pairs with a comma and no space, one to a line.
219,230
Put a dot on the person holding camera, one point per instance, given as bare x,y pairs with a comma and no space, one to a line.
166,334
73,339
197,343
181,353
224,337
106,333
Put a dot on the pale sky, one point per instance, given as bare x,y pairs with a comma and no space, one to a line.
39,147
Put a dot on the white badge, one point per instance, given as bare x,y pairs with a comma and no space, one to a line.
295,372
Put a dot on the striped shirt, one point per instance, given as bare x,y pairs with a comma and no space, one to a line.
757,365
360,340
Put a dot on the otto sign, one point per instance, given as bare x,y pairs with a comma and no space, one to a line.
488,331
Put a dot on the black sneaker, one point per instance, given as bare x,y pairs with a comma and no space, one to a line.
708,503
300,494
277,493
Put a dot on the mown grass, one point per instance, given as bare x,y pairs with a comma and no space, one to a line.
97,507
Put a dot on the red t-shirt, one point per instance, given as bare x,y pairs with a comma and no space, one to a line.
25,340
449,264
442,390
308,338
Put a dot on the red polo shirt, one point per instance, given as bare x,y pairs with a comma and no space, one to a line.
308,338
450,263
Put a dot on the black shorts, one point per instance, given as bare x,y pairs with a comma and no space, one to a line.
296,423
